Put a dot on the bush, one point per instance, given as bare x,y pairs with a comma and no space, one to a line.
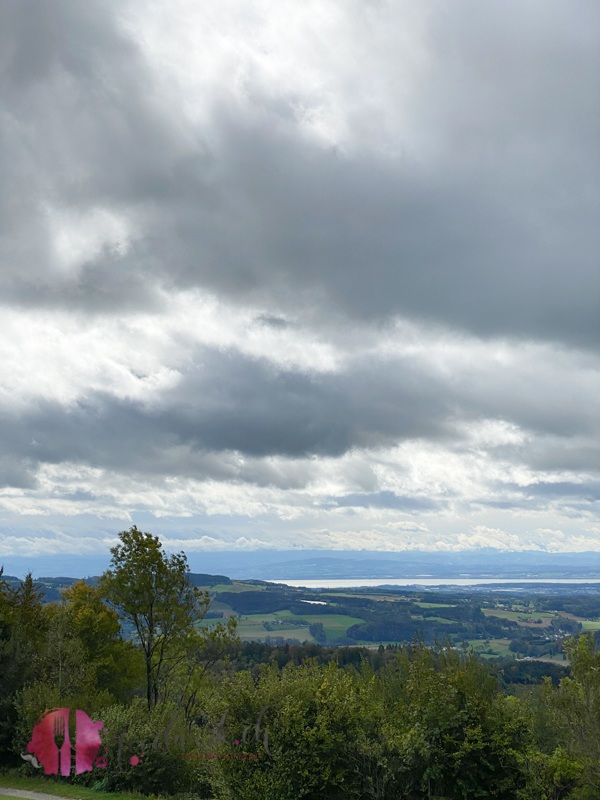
157,773
155,740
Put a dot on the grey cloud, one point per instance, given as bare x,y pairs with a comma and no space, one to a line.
496,232
502,504
296,227
230,414
231,403
486,223
249,405
227,403
580,498
589,492
17,473
384,499
565,453
550,393
272,321
78,131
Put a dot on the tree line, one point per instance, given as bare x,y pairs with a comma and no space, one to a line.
418,721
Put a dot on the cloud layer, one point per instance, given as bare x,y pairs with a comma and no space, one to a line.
322,274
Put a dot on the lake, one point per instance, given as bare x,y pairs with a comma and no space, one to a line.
327,583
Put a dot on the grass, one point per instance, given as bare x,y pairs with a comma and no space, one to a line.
435,605
236,587
392,598
334,624
525,619
250,626
590,625
556,659
498,646
297,635
12,780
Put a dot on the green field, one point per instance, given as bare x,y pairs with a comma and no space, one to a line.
499,647
250,626
287,625
259,634
524,618
334,624
591,625
236,586
556,659
390,598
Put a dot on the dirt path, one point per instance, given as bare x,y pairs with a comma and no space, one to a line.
27,795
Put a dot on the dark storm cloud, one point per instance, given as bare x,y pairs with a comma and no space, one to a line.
491,227
227,404
231,403
78,131
272,321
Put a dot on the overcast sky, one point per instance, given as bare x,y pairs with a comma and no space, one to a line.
318,274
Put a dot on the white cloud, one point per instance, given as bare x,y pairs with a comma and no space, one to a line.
344,73
320,273
79,237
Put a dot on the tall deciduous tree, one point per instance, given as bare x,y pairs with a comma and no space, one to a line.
151,591
22,638
117,662
575,709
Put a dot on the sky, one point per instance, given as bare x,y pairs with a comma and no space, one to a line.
282,275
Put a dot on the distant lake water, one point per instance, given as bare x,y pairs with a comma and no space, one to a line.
326,583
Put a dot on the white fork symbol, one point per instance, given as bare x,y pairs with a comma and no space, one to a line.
59,739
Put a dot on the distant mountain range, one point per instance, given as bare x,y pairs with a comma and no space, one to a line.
314,564
51,586
416,564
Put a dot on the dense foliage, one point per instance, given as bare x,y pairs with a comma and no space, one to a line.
229,720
